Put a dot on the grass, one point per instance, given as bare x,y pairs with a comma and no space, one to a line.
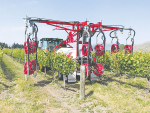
108,95
23,96
4,82
125,96
128,96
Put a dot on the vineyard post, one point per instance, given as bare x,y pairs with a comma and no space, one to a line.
64,76
45,71
82,82
147,88
54,76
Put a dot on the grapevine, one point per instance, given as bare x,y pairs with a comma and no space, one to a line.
135,64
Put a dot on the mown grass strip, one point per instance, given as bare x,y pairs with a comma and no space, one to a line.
24,96
125,96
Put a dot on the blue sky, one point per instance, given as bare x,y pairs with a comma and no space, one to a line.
129,13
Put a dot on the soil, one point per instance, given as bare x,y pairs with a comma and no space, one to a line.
69,97
60,94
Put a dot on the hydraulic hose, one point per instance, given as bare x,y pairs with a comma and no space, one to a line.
103,42
111,33
104,47
36,45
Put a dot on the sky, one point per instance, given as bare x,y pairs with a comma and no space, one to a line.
129,13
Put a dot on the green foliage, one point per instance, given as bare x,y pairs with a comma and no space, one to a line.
8,51
138,63
42,58
1,55
15,53
121,47
56,61
144,64
63,64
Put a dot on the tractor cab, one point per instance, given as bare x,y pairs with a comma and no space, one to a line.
48,44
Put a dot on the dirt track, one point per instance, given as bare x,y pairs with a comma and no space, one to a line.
68,98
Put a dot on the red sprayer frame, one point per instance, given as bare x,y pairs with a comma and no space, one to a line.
73,28
76,29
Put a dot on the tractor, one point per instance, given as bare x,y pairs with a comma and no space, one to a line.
48,44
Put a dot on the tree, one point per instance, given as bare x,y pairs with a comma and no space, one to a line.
17,45
3,45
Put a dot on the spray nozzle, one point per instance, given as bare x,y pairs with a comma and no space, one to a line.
121,30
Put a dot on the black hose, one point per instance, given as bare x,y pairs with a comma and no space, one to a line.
133,40
104,47
111,33
103,43
28,69
36,45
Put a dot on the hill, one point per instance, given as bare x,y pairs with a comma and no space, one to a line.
145,47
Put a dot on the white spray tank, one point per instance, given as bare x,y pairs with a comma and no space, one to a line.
63,50
69,52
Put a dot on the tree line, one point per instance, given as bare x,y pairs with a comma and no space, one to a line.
14,45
